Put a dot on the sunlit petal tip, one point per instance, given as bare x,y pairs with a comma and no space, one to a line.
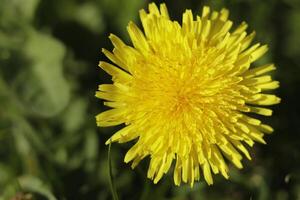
109,141
205,11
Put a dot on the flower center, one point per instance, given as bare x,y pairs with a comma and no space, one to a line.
182,99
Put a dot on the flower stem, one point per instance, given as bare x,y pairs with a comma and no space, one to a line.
111,179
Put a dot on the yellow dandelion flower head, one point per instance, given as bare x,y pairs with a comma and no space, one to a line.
184,91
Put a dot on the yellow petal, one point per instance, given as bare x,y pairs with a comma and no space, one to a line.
115,72
261,111
137,37
111,117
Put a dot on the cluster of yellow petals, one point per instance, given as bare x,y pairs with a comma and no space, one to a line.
184,91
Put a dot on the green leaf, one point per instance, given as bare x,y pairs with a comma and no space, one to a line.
5,174
35,185
91,150
89,16
91,145
34,138
9,191
72,117
24,148
42,86
25,10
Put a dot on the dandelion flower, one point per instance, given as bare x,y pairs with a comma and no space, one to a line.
184,93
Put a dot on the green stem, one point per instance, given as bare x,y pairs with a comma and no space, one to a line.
111,179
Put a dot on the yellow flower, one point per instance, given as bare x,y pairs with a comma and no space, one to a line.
184,91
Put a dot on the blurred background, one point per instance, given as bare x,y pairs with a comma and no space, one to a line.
50,147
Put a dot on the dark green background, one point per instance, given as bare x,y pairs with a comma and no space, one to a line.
50,146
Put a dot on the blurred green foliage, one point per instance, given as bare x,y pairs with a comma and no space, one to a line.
50,147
